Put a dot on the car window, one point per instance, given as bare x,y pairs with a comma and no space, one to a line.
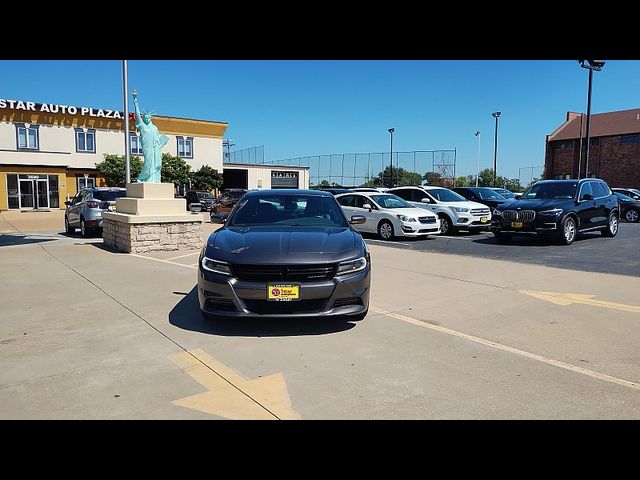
598,190
403,193
622,196
390,201
417,195
287,210
488,194
551,190
347,200
586,190
109,195
606,188
446,195
360,201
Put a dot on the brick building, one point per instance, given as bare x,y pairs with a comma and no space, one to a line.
614,154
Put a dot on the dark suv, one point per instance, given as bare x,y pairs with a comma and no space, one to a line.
203,198
559,208
485,195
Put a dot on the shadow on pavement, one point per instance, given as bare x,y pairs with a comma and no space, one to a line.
533,240
11,239
186,315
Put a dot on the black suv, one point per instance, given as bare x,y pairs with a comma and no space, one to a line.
559,208
485,195
204,198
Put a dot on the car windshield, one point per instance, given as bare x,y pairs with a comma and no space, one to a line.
288,210
506,193
488,194
108,195
206,196
390,201
624,197
551,191
446,195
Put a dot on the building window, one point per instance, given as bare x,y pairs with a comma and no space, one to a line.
562,176
630,138
27,136
86,182
185,147
12,190
564,145
85,140
136,145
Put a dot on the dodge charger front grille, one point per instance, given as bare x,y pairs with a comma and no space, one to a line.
518,215
299,273
264,307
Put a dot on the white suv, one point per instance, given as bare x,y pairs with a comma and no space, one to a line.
455,211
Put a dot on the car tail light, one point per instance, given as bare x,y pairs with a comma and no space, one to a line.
93,204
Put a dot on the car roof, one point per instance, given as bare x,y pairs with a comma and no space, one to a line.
288,191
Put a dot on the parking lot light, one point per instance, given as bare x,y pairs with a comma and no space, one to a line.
591,65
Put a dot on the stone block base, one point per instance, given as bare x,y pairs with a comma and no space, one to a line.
152,237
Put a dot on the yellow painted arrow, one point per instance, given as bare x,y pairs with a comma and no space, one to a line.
229,395
571,298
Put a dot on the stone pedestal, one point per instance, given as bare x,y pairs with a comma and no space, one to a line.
150,219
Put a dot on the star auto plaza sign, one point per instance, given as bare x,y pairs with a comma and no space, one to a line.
64,109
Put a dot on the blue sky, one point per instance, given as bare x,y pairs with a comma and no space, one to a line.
298,108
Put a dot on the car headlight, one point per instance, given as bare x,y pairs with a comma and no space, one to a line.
458,209
215,266
404,218
497,213
352,266
553,211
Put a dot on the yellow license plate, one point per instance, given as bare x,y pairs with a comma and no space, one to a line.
483,220
516,224
113,208
281,292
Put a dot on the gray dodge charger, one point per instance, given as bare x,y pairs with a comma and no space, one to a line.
285,253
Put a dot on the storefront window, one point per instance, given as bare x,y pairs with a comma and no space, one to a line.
12,190
54,199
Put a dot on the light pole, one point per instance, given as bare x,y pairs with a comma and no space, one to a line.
391,130
591,65
477,134
126,123
495,147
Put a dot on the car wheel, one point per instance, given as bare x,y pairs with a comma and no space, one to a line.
446,226
68,227
612,226
83,229
385,230
568,230
502,237
632,215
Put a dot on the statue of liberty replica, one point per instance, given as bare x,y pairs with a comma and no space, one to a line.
152,142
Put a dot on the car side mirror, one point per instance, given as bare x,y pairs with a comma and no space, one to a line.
67,203
426,200
357,219
586,196
367,206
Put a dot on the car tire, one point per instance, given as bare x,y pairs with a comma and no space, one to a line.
613,225
632,215
68,227
385,230
502,237
446,226
86,233
568,230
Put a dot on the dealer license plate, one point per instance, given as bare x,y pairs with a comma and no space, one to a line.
283,292
483,220
516,224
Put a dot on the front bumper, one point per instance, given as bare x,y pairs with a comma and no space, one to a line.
539,225
225,296
465,220
417,229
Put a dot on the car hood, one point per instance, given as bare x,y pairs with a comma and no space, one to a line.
534,204
272,245
409,212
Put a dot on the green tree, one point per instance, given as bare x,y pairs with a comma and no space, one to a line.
207,178
112,168
174,170
513,184
466,181
399,176
433,178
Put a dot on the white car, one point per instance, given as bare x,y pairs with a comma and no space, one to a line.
455,211
388,215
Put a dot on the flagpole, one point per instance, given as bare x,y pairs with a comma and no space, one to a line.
126,122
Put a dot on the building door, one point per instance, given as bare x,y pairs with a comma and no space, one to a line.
27,199
42,193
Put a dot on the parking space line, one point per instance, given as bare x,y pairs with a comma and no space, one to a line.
453,238
386,241
163,261
522,353
182,256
